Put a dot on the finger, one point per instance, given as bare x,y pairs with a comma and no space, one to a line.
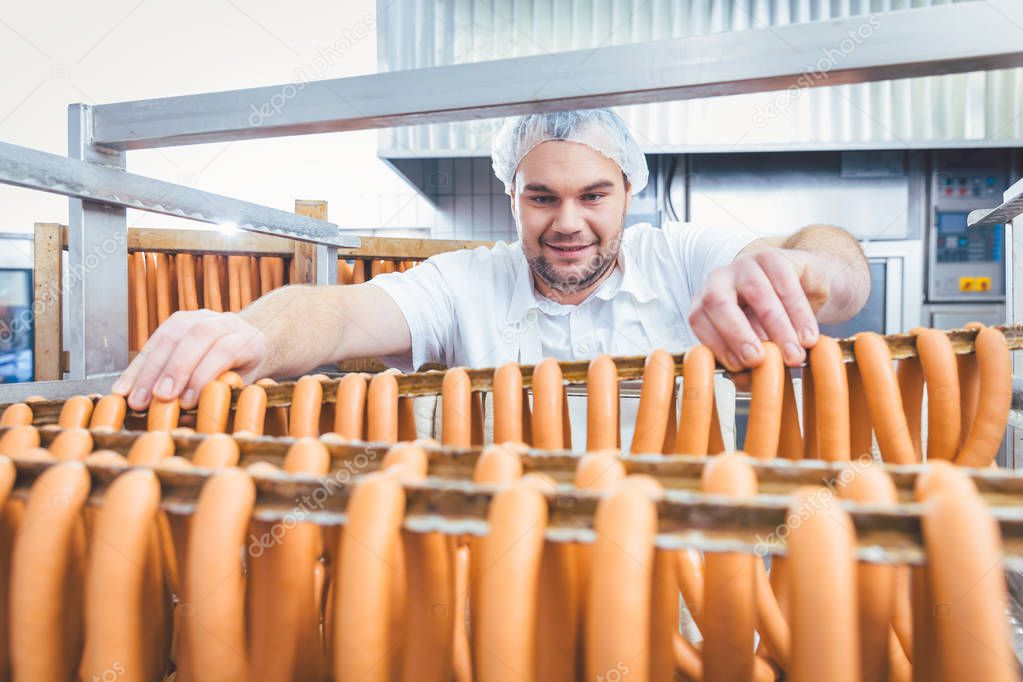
796,291
148,364
178,370
720,306
754,322
709,336
755,288
227,352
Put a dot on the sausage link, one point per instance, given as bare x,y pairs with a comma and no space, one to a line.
188,289
697,402
508,404
688,659
861,429
306,399
19,439
910,374
234,283
969,387
671,431
430,613
216,451
988,426
364,576
75,413
883,398
875,583
821,570
214,408
71,444
120,599
17,414
730,582
941,374
214,580
810,450
152,304
250,411
211,283
407,419
617,626
456,411
109,413
602,404
344,272
764,428
350,407
774,629
47,577
527,418
382,408
664,613
276,423
461,652
163,415
654,402
476,422
140,319
232,379
150,449
164,308
831,400
548,394
790,440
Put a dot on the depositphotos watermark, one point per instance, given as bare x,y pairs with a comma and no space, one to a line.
812,75
315,69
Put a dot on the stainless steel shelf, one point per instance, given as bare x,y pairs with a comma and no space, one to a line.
1009,210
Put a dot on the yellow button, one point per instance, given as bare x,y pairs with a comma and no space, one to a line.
983,284
967,284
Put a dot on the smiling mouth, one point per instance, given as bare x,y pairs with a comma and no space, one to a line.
568,249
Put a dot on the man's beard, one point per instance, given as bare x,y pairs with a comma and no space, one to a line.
582,275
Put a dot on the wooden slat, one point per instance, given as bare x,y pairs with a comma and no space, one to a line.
304,254
206,241
47,296
407,248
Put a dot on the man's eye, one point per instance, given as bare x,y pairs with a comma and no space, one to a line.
542,199
593,197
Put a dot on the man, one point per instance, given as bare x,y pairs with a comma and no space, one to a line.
578,283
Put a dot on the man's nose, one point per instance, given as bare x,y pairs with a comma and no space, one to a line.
568,218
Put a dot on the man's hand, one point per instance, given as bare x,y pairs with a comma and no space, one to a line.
186,352
765,293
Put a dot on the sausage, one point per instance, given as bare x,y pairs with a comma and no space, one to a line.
456,411
382,408
407,430
75,413
305,408
344,272
969,387
910,374
883,398
548,394
963,543
19,439
276,423
105,458
790,439
211,283
214,582
163,288
764,429
216,451
730,582
350,407
407,460
566,423
140,319
511,553
861,430
875,583
71,444
173,276
278,271
250,411
617,624
461,653
187,290
671,431
831,400
687,658
151,448
898,665
527,418
47,577
602,404
988,426
810,450
476,420
214,407
821,570
364,576
359,271
234,283
151,297
508,403
938,360
232,379
654,402
117,601
689,575
109,413
774,629
163,415
16,414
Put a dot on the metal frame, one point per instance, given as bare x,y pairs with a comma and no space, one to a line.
916,42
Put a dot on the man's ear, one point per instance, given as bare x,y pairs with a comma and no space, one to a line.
514,206
628,195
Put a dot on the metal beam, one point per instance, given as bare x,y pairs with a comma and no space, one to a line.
902,44
1007,211
114,189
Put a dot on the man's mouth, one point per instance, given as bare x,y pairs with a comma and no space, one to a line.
568,249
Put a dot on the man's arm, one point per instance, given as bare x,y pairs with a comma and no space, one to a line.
779,290
287,332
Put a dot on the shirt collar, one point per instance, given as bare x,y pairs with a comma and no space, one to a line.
627,278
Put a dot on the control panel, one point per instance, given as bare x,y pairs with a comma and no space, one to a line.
965,264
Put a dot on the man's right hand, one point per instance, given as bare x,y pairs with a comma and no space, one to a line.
186,352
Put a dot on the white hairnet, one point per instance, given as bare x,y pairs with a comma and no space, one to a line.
600,129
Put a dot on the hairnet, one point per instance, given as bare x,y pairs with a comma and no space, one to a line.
600,129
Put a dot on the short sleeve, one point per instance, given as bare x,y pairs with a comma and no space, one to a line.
424,296
701,249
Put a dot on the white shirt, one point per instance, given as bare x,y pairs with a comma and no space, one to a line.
479,308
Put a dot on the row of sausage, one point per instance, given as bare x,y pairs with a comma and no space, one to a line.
220,595
160,284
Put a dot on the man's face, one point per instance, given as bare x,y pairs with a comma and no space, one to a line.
570,203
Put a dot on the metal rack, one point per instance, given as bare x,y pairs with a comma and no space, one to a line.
918,42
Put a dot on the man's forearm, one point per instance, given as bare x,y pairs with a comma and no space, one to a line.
302,326
848,275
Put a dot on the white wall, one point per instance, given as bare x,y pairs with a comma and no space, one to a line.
56,53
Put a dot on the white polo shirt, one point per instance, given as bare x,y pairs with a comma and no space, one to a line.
479,308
